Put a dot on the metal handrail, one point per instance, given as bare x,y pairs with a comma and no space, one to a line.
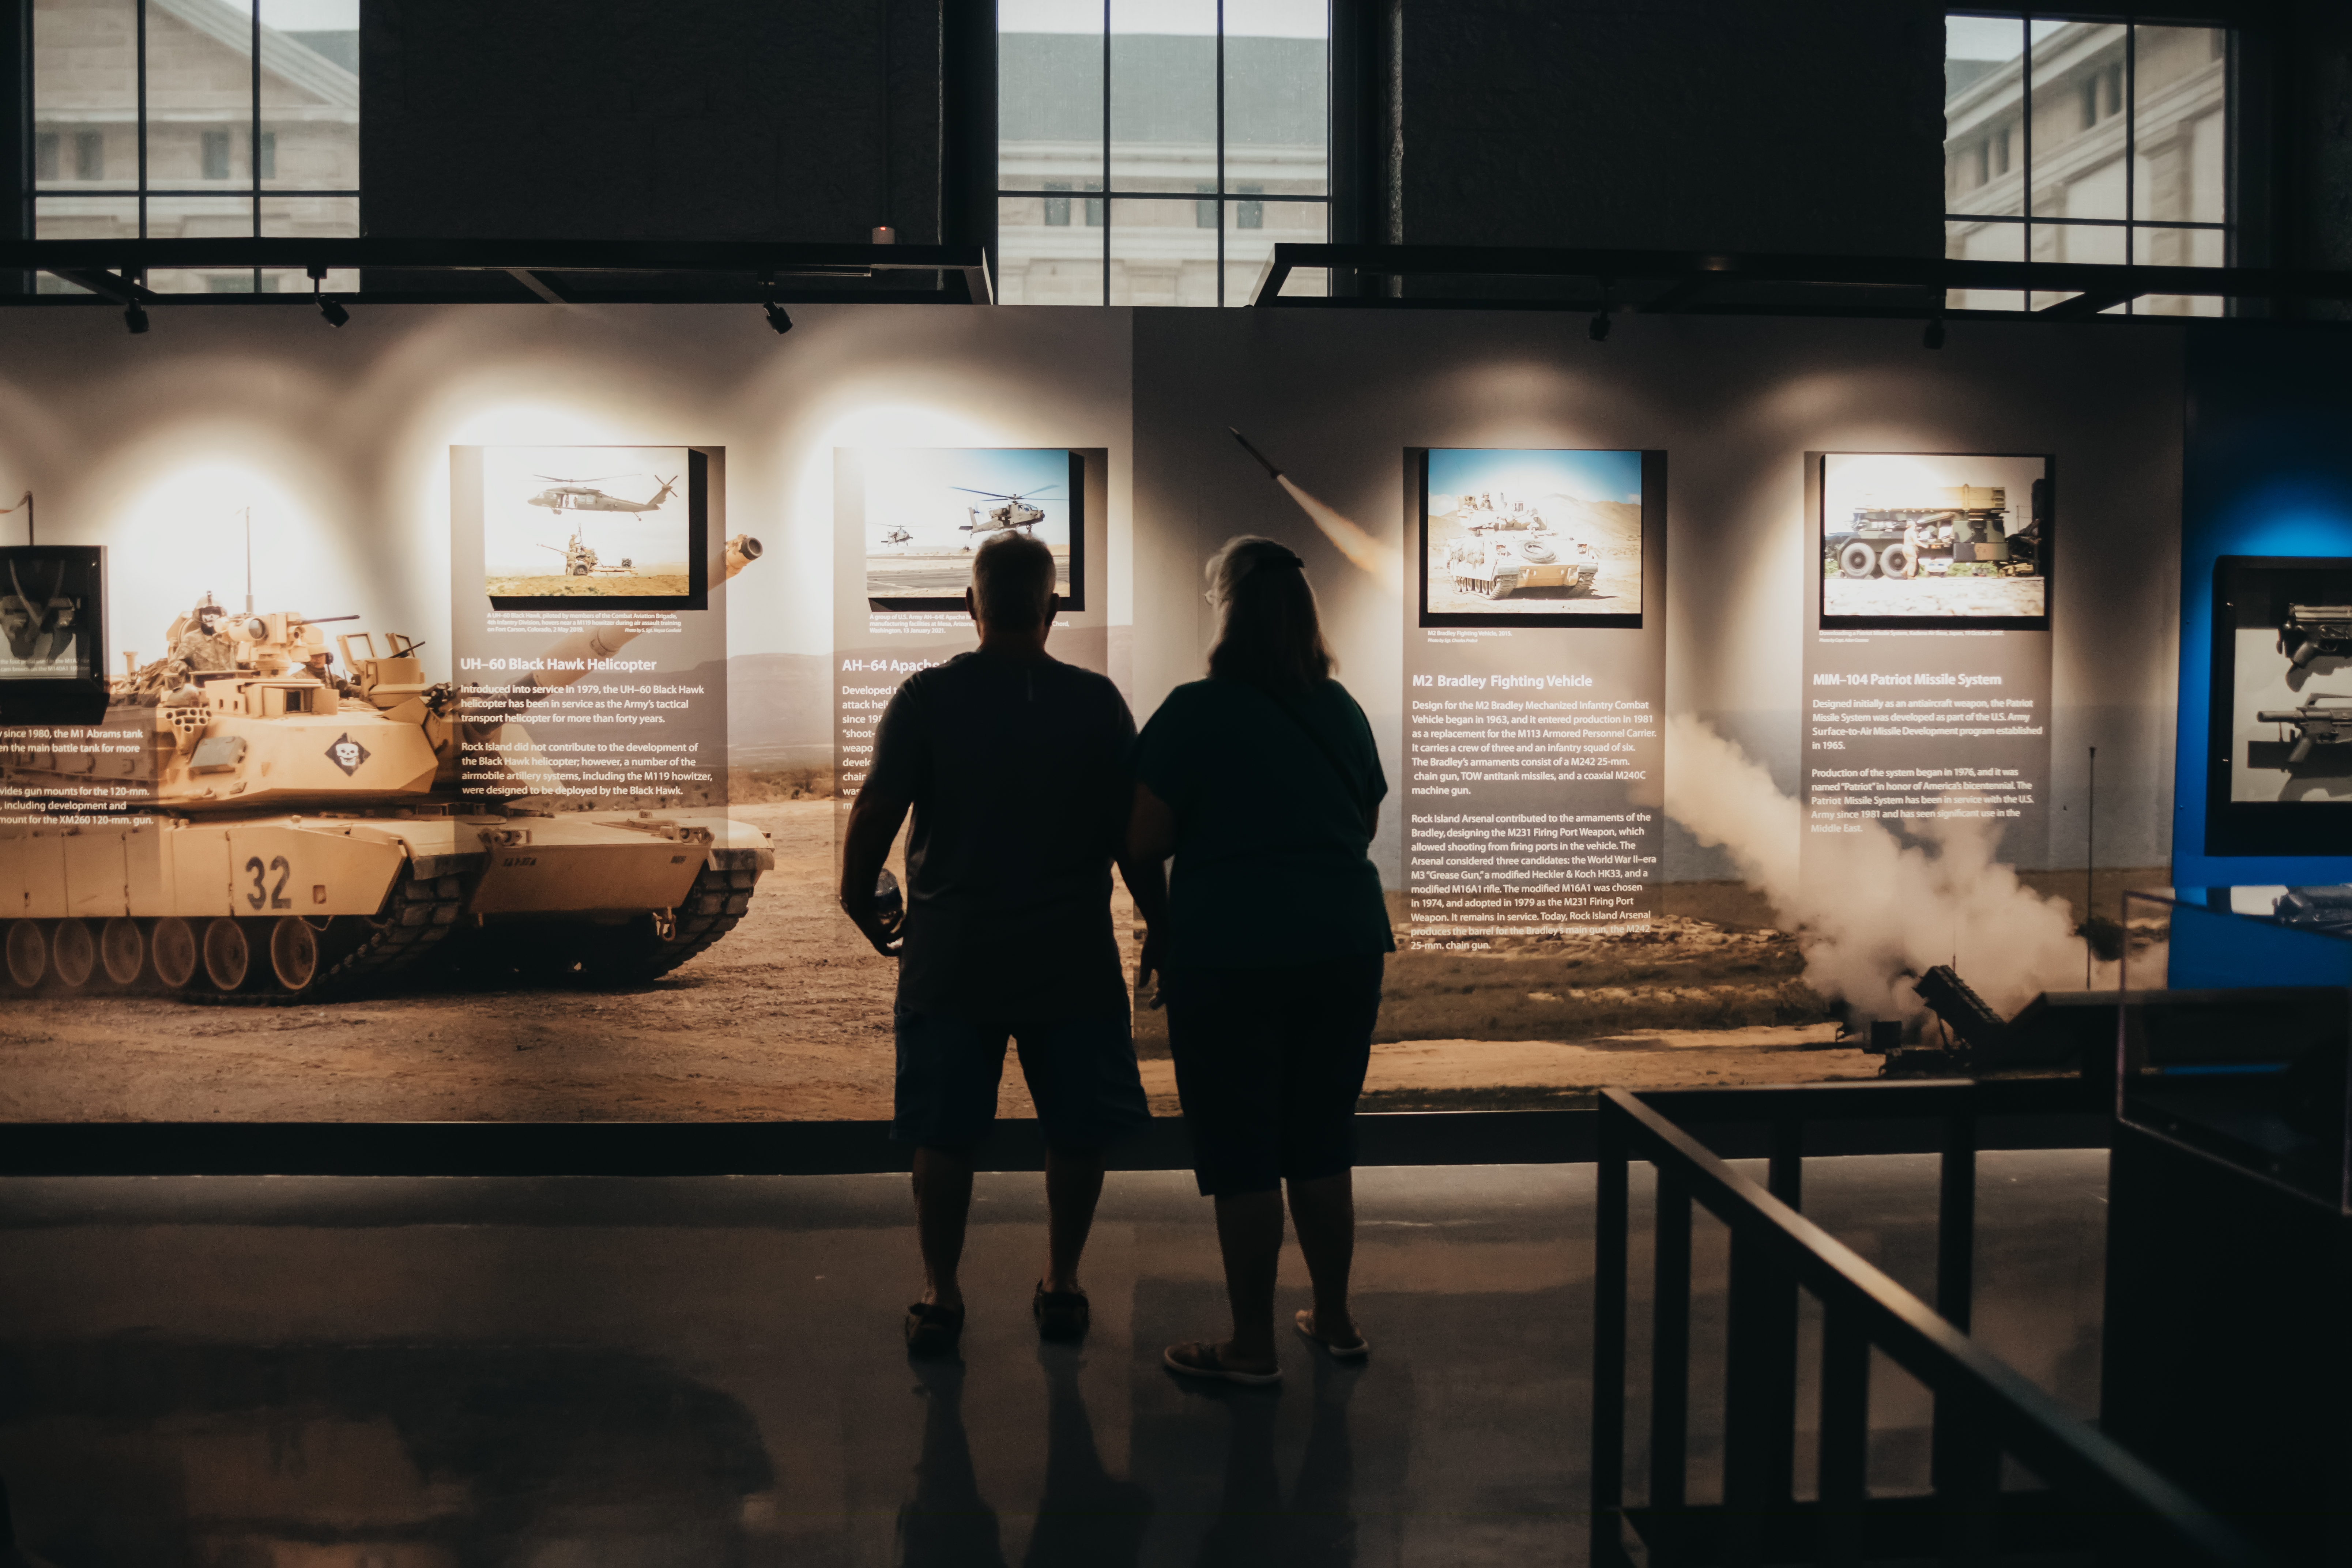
1679,281
735,269
1993,1409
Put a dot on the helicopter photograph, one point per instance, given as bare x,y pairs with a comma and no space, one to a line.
560,522
926,509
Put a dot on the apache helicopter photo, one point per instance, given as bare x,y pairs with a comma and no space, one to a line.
581,495
1017,510
898,536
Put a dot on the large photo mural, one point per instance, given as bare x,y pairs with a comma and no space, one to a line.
386,742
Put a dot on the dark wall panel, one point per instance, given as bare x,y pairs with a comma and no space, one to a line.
1713,124
697,119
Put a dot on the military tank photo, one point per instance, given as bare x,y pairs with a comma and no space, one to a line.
1494,566
303,834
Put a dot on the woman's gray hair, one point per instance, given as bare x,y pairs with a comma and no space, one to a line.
1268,629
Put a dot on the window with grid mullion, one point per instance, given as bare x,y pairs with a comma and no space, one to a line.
2079,140
229,119
1206,148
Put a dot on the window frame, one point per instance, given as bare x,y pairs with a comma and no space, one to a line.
2122,80
1229,203
258,140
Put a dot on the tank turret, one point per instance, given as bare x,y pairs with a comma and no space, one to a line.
307,831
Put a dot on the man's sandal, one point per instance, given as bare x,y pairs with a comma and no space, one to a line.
1305,1324
934,1330
1062,1315
1197,1358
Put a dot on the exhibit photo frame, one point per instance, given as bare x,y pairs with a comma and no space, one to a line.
627,527
921,521
2279,742
53,634
1534,536
1922,541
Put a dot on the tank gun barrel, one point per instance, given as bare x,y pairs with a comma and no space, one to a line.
577,654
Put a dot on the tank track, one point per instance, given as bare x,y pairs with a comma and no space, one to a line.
713,904
418,916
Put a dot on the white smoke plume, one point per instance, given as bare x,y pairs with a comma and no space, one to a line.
1358,546
1875,911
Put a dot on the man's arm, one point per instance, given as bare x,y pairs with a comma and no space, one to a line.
874,822
1142,865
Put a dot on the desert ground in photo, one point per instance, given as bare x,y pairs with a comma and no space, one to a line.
671,578
1956,596
934,573
1614,529
789,1018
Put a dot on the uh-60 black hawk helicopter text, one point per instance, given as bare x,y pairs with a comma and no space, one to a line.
1014,510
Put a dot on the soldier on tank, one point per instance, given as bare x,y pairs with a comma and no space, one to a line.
202,648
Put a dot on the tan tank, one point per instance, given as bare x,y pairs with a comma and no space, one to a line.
1495,566
308,835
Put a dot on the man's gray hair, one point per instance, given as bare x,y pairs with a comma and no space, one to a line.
1012,580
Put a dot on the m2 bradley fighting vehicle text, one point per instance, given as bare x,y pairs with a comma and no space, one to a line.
1960,530
302,831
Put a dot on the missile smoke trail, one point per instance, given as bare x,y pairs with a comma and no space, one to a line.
1878,911
1364,552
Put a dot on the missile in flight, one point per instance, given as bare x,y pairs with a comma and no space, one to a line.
1272,472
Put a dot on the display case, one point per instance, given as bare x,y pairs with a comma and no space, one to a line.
2235,1017
2229,1269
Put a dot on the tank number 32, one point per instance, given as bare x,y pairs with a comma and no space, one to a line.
267,893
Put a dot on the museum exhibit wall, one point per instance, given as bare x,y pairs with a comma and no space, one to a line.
1735,406
2266,525
1693,656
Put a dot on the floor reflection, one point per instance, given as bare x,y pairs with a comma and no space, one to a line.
1253,1526
143,1452
1087,1517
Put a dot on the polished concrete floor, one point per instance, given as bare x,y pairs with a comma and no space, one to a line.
396,1373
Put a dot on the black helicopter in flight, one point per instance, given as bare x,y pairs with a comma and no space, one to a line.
581,495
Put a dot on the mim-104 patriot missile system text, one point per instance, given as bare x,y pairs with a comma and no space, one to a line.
1960,530
301,832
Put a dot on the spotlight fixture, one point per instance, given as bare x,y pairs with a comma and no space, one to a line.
334,311
776,317
1933,338
1598,328
134,317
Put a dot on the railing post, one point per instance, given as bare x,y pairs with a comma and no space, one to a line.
1785,1175
1610,1227
1670,1345
1968,1483
1844,1449
1760,1404
1956,1220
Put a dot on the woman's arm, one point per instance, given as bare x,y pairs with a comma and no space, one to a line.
1151,839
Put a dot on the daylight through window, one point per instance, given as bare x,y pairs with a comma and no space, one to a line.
1205,125
2086,141
197,118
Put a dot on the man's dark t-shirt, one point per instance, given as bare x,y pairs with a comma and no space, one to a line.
1017,769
